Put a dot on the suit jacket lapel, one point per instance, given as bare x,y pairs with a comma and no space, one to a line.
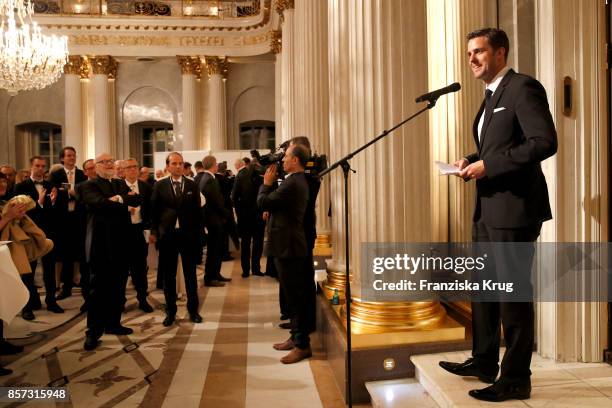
494,101
475,125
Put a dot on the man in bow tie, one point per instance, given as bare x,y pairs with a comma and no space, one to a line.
176,224
514,132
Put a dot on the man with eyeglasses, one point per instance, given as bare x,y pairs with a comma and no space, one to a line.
106,243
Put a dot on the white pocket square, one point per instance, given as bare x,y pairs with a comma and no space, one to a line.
498,109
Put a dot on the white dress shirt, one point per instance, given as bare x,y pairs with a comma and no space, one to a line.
492,87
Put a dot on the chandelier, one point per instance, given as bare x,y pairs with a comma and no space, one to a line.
29,59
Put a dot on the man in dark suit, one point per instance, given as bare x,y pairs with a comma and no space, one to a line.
69,238
226,183
140,221
108,222
250,222
43,215
176,222
287,244
514,133
89,169
215,215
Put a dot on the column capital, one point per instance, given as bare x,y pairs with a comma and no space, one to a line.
276,41
77,65
104,65
216,65
282,5
190,65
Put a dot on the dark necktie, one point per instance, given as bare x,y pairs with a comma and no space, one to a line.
177,188
488,94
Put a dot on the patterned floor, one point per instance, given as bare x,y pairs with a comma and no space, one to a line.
227,361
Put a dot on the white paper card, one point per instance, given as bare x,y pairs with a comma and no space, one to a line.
447,169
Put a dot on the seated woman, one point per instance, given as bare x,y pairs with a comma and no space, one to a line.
13,212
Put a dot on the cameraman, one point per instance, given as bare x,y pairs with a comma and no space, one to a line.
287,244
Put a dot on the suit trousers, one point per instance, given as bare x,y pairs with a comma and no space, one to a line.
296,284
214,253
251,247
105,300
48,264
69,249
137,262
517,318
172,244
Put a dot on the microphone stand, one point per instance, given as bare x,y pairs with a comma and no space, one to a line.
346,167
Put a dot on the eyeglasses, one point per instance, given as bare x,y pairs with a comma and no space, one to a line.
109,161
131,167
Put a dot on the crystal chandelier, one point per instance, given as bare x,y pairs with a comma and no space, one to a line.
28,58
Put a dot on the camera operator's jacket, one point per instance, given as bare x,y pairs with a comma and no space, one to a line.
287,206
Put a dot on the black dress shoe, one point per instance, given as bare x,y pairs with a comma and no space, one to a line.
214,284
195,317
502,391
64,294
286,325
91,342
258,274
245,275
7,348
469,368
27,314
145,306
284,317
55,308
5,371
224,279
119,330
169,320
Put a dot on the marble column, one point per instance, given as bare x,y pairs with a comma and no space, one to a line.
276,48
102,67
312,92
217,72
288,101
390,193
339,133
191,69
76,69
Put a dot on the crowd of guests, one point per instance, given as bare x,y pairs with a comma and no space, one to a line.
102,219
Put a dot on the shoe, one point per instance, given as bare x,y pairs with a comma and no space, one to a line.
119,330
5,371
27,314
286,325
470,369
272,275
145,306
258,274
284,317
64,294
55,308
285,345
91,342
224,279
169,320
214,284
502,391
296,354
195,317
245,275
227,258
7,348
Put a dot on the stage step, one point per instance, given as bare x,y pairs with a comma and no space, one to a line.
405,392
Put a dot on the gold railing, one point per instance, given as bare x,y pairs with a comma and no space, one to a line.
218,9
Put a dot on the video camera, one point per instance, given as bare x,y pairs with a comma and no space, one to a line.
314,165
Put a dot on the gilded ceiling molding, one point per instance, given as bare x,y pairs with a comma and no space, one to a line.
77,65
190,65
216,66
104,65
276,41
281,5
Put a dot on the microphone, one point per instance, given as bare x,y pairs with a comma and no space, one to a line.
434,95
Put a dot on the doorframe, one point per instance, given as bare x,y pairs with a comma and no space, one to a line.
608,24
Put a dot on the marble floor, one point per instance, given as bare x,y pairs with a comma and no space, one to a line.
227,361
